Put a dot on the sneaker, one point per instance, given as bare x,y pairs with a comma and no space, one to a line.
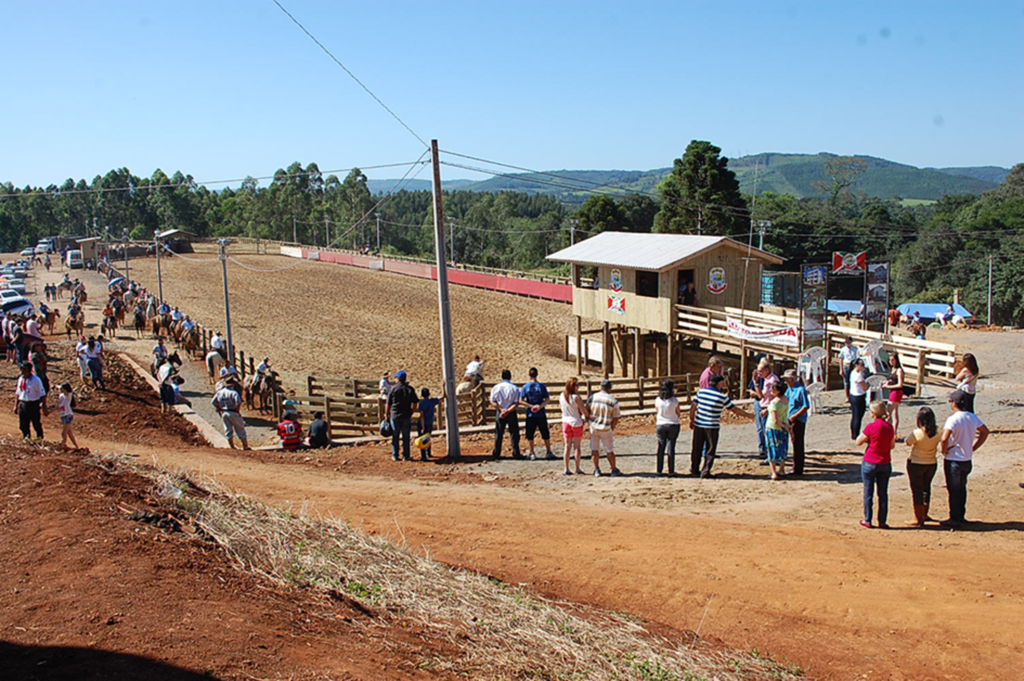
533,457
866,524
579,472
597,472
518,456
950,523
616,473
567,473
550,456
764,462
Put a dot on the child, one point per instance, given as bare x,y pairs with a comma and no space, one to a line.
777,430
290,431
65,404
876,468
428,412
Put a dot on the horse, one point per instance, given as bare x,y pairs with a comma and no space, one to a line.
263,389
75,323
49,319
109,324
139,321
214,362
174,359
190,342
161,324
64,286
468,385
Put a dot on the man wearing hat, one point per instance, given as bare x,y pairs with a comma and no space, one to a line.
958,445
227,401
30,401
799,407
398,409
604,417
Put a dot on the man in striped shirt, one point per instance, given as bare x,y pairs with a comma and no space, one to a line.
706,422
603,411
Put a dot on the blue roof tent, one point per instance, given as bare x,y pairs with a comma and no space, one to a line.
929,310
854,307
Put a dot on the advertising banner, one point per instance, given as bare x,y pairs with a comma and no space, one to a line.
877,303
813,303
788,336
849,263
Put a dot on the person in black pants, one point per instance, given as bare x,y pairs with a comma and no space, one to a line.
30,403
799,407
858,397
505,400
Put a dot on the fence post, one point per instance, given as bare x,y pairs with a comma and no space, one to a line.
921,371
640,392
327,415
252,368
241,361
309,385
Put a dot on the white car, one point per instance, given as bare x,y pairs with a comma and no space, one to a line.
28,252
9,294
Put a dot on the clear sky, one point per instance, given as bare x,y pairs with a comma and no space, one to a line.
222,89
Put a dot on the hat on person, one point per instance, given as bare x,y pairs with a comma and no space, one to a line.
224,372
958,397
400,375
606,384
789,373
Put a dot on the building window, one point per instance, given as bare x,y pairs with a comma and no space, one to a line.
647,284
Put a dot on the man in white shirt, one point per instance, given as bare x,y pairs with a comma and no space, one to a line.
32,326
475,369
847,354
958,446
30,402
505,400
217,343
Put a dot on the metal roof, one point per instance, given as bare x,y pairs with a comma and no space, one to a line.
648,251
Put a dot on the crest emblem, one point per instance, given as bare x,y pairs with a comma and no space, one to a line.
716,280
616,282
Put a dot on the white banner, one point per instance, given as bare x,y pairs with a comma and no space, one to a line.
789,335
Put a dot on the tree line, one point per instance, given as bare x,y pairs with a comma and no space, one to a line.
935,248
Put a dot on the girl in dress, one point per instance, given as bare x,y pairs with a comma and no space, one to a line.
65,405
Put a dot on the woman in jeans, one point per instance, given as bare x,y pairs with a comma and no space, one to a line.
923,461
858,396
667,425
876,469
967,380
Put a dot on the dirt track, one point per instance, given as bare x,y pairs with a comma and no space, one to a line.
782,568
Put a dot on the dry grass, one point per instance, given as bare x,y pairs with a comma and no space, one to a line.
503,631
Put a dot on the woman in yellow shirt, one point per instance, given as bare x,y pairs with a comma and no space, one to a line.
777,430
923,462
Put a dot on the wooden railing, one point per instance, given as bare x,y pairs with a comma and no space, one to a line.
921,359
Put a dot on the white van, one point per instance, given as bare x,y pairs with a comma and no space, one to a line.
74,259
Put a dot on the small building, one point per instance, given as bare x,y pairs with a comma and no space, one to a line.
637,285
88,247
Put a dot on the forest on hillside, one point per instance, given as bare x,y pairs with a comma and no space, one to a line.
935,249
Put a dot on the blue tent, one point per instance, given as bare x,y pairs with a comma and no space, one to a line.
929,310
843,306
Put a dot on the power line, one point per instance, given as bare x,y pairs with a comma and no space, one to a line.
351,75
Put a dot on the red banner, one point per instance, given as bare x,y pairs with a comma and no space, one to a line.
849,263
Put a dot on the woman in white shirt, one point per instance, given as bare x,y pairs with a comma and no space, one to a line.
858,396
666,425
573,414
967,380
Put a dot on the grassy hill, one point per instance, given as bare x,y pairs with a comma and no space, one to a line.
781,173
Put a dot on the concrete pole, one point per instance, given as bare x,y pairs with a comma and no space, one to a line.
447,347
223,255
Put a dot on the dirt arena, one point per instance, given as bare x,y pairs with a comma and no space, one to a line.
782,568
325,319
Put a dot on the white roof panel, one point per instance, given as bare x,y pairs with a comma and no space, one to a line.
644,251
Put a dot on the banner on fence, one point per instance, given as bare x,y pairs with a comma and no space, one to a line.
789,336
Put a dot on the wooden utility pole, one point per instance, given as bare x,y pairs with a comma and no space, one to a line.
451,402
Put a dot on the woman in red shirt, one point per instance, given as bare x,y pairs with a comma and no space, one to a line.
876,469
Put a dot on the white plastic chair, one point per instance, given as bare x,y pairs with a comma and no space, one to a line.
811,365
875,384
870,354
814,391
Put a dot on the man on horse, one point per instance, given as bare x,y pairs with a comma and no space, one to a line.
475,370
217,343
262,369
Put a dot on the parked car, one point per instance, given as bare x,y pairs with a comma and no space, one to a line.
28,252
74,259
9,294
17,306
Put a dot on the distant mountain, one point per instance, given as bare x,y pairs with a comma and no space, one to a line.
781,173
382,186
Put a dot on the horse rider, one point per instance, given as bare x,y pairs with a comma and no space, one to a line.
44,310
177,315
163,309
159,352
475,370
262,370
217,343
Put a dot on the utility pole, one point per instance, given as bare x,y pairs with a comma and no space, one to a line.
327,231
573,222
127,278
378,232
762,229
106,242
159,276
295,232
223,255
451,403
990,258
451,238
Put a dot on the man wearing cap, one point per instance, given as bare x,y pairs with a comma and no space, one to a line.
958,445
799,407
227,401
604,417
505,400
30,400
398,409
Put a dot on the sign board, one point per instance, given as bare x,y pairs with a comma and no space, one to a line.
788,336
849,263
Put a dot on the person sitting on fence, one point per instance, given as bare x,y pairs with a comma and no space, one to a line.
318,432
428,412
290,431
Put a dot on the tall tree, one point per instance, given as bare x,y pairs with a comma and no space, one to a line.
701,195
840,172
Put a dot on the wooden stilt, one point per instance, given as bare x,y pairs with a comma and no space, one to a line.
579,345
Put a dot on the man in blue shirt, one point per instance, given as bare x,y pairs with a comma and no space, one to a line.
799,407
534,397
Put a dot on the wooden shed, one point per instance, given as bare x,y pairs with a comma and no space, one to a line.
636,284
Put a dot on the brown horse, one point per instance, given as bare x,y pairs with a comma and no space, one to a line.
49,320
161,325
260,392
75,323
139,321
190,343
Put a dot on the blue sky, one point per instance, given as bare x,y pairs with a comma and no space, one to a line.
223,89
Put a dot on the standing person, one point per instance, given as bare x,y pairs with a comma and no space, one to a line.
32,326
534,398
923,462
706,423
428,413
165,376
30,401
958,446
65,408
895,386
505,400
398,408
319,433
573,413
848,354
290,431
604,417
762,382
858,395
777,430
799,408
18,339
876,468
94,361
666,425
227,401
967,381
83,366
384,386
715,366
40,363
